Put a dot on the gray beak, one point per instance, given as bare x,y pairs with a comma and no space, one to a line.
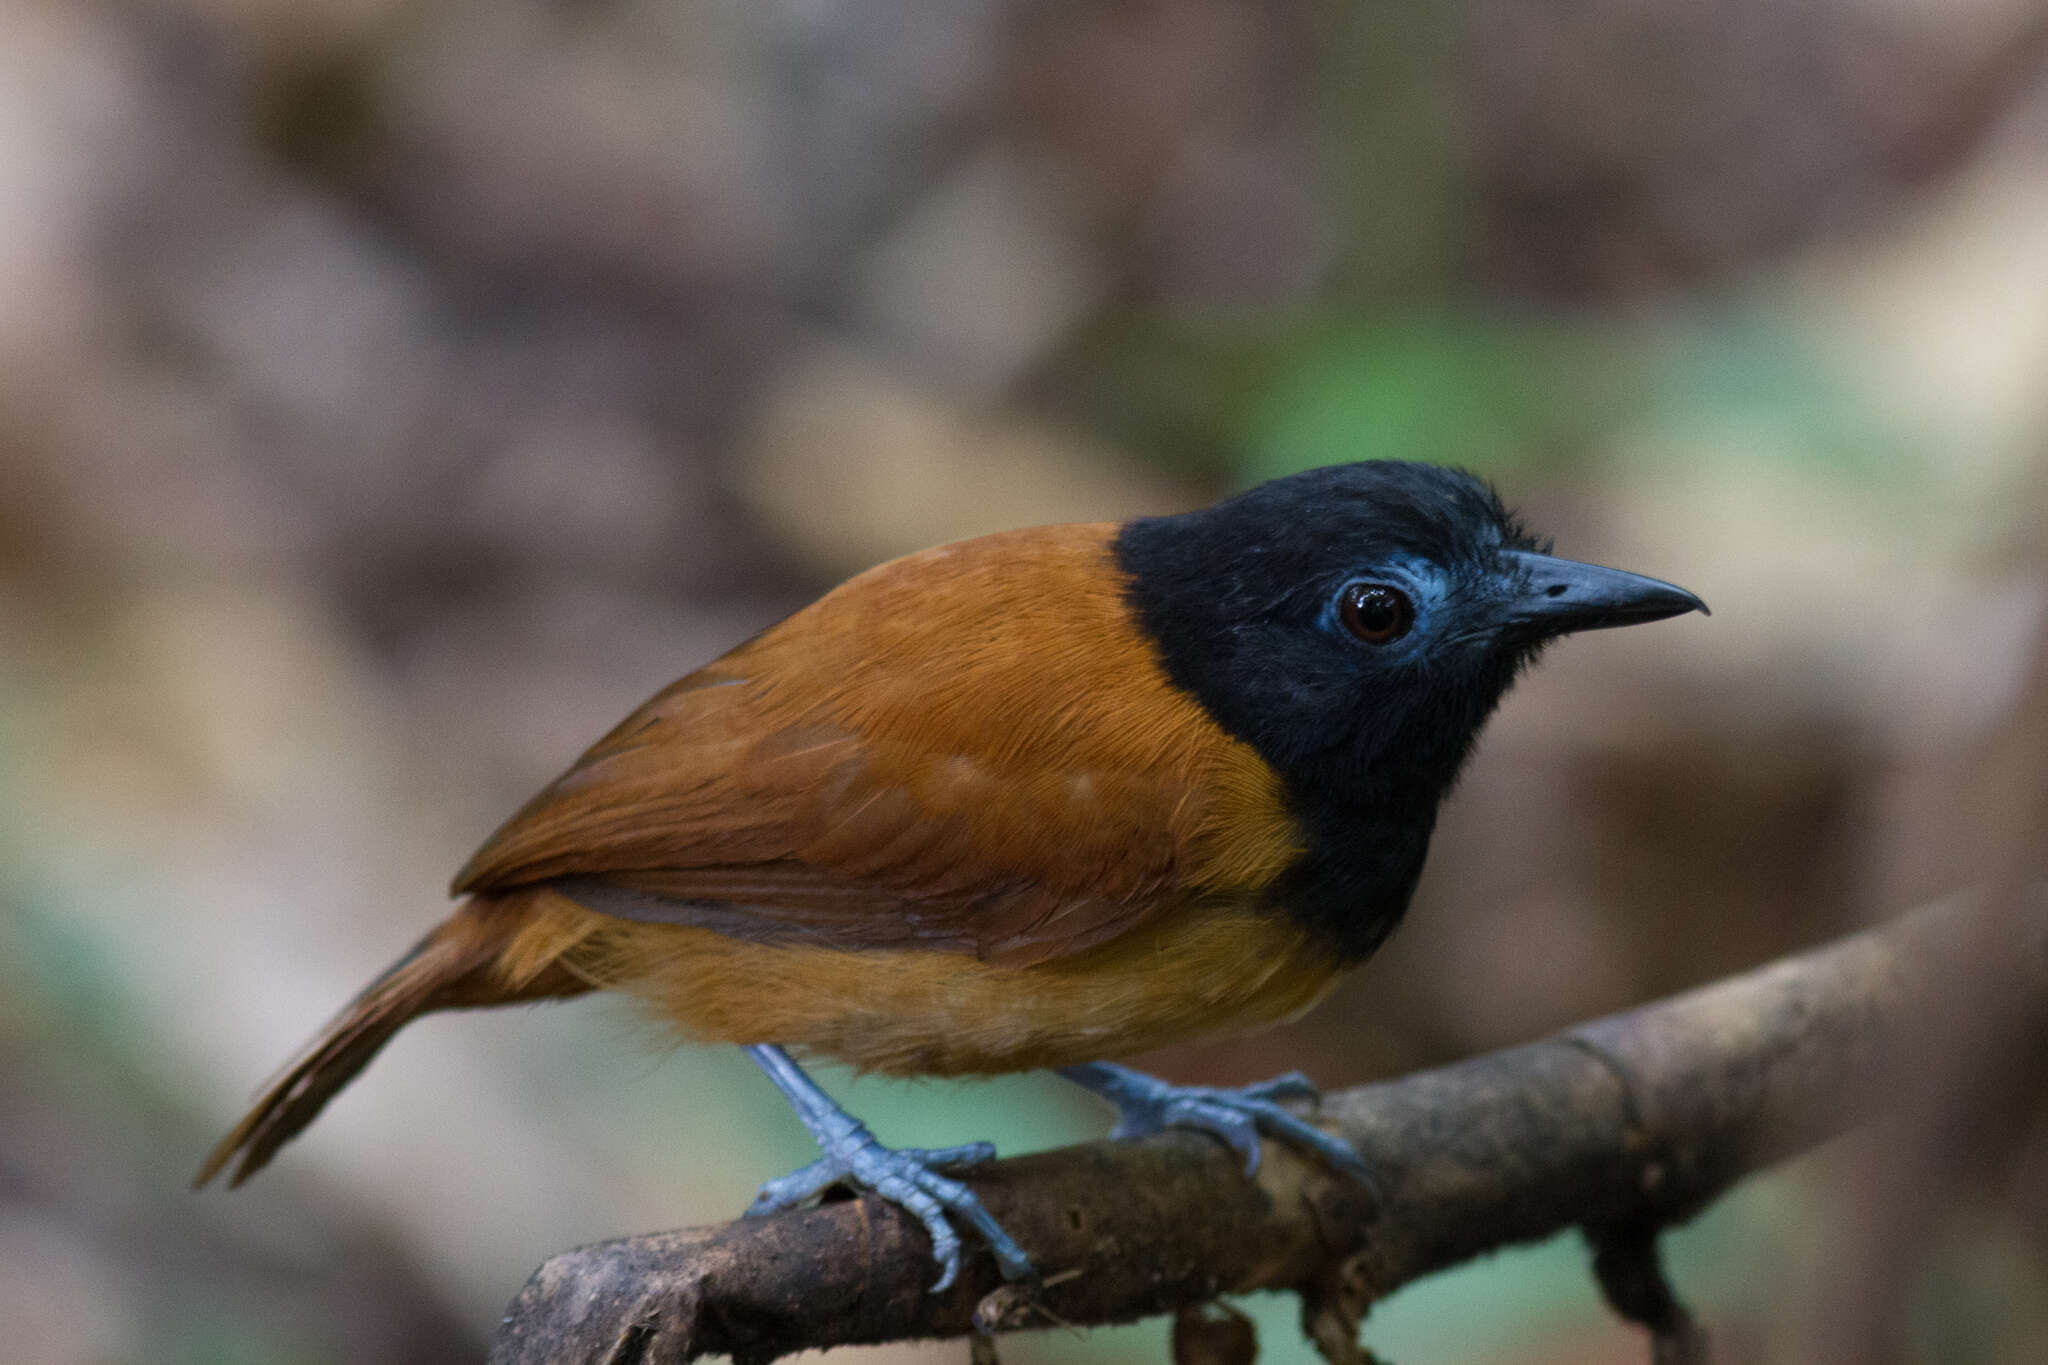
1549,596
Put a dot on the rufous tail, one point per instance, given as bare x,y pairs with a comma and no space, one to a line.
491,951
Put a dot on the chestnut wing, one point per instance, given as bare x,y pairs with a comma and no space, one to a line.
895,767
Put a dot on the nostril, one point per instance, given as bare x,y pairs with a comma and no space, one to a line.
1555,590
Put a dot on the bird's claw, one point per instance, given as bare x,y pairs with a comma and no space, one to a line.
1147,1105
911,1179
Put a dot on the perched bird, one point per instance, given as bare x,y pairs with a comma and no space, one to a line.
1037,799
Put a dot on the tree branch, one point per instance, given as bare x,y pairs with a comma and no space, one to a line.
1622,1126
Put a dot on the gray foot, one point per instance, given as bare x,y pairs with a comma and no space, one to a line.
1145,1104
909,1177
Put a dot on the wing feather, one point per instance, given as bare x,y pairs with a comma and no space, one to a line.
898,764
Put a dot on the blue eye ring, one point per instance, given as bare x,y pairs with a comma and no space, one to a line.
1376,613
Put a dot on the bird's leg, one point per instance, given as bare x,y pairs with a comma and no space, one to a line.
907,1177
1145,1104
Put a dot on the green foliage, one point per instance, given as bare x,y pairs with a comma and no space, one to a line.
1487,392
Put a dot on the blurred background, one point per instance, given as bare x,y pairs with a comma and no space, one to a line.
393,395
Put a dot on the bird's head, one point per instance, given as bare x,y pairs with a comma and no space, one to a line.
1357,624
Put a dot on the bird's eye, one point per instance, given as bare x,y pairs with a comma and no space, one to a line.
1376,613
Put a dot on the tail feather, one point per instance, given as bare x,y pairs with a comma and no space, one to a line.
483,954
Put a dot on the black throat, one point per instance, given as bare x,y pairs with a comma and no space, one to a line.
1364,759
1353,882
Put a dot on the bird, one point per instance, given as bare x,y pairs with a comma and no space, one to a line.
1039,799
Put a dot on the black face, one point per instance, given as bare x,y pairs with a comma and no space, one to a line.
1356,625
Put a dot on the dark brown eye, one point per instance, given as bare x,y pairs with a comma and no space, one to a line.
1376,613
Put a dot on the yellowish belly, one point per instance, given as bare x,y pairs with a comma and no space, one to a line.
1181,975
